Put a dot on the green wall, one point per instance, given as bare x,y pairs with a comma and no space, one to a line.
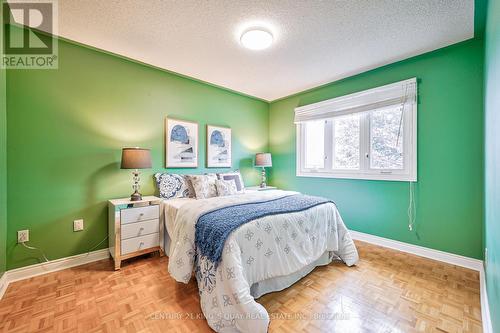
449,192
3,172
3,161
492,161
66,128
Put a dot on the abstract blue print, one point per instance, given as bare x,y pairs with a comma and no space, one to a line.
219,146
179,134
217,139
182,143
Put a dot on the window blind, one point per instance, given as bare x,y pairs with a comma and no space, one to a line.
399,93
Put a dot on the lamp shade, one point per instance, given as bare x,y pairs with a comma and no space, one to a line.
136,158
263,160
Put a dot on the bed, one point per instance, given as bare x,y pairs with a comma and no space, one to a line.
284,236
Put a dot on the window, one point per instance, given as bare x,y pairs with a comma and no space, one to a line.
315,142
345,137
367,135
386,139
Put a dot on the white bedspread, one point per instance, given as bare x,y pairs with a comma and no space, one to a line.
265,248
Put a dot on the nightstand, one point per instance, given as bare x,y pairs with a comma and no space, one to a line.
134,227
258,188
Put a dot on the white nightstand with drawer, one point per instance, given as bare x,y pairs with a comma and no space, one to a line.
134,227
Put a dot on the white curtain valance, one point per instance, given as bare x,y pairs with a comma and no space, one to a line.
399,93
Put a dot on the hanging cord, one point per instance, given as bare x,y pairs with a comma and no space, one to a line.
36,249
412,208
95,246
404,99
45,257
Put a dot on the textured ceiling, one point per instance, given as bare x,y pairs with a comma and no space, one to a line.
316,42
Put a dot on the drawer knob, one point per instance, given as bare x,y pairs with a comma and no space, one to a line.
141,244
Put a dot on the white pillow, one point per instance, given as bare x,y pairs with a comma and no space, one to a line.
226,187
203,186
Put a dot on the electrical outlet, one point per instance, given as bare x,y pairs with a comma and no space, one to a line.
23,236
78,225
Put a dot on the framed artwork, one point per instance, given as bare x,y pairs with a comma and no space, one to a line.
218,147
181,143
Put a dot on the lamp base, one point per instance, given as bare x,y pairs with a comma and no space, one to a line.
263,178
136,196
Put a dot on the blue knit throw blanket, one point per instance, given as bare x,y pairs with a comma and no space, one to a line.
214,227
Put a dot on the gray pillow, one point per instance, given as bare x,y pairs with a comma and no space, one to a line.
203,185
225,187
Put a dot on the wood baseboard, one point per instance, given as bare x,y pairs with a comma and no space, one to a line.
485,306
48,267
450,258
3,284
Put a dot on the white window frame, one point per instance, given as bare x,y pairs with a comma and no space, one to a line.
369,97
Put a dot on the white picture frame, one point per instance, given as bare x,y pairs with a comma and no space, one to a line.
219,147
181,143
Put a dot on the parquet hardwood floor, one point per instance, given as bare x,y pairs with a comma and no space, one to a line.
388,291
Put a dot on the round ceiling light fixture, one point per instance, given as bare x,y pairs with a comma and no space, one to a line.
256,39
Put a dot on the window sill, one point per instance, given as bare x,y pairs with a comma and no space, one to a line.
360,176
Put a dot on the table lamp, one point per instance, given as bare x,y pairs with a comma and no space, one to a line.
263,160
136,158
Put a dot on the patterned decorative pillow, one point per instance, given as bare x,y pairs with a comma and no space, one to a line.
226,187
192,194
203,185
172,185
236,176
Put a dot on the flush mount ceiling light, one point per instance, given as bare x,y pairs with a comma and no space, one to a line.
256,39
